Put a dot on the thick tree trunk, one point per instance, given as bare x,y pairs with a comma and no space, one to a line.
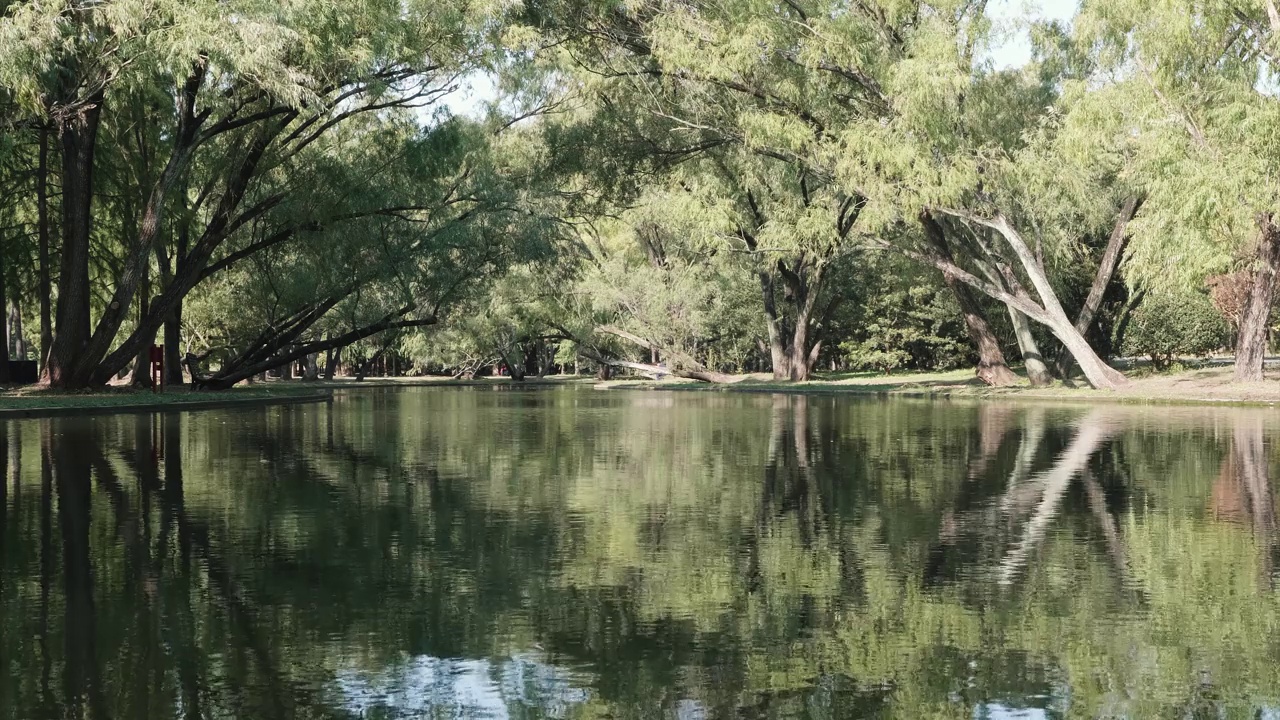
792,354
311,372
142,365
1049,312
173,349
798,367
42,247
1251,345
798,352
88,358
1106,271
1099,374
79,143
17,336
778,357
4,330
1037,372
332,358
173,322
992,368
545,358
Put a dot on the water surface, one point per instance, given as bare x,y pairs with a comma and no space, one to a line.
570,553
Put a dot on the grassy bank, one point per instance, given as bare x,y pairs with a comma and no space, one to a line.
442,381
33,401
1210,385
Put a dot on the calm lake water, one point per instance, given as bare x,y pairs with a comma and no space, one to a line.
570,553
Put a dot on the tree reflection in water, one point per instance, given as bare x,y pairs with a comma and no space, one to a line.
574,554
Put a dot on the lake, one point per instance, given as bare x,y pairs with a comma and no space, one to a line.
484,552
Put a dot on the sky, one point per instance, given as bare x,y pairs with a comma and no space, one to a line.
477,90
1017,48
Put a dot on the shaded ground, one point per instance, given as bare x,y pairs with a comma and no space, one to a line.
33,400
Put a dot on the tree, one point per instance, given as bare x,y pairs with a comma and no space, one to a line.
1193,96
283,81
868,124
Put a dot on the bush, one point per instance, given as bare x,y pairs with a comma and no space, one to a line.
866,356
917,327
1167,326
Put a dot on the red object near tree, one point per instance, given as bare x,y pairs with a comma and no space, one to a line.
157,367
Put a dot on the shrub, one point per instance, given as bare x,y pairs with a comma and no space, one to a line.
917,327
1167,326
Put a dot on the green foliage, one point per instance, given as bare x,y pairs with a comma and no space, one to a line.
1168,325
702,176
907,322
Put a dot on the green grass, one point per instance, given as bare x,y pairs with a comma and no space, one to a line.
1180,385
952,381
33,398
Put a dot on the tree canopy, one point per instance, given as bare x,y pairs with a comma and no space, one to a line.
695,188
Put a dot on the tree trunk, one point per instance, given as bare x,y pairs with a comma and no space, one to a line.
142,366
173,322
332,358
79,143
792,356
42,242
4,330
992,368
1106,271
190,269
544,360
777,351
17,341
1251,344
798,363
516,369
798,353
88,358
1049,312
173,349
312,370
1099,374
1037,372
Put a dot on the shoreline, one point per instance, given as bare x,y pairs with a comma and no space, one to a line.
1199,387
1204,387
134,403
1067,395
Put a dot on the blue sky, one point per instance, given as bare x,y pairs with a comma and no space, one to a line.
1016,49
